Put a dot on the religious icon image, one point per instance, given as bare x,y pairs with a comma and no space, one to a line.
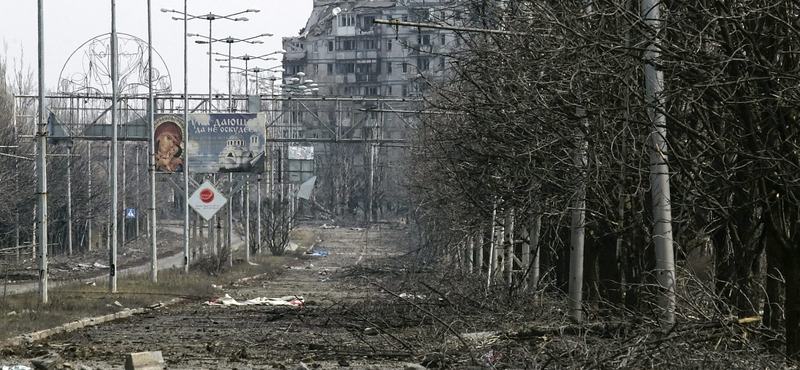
169,144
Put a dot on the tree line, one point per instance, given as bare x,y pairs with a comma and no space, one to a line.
495,180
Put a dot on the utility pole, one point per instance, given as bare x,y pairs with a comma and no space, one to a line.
578,225
659,168
42,165
69,200
89,195
246,197
152,148
124,194
112,251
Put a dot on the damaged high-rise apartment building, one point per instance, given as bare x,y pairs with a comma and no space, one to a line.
347,54
350,89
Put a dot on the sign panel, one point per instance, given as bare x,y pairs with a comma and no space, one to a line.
130,213
226,142
207,200
169,146
301,152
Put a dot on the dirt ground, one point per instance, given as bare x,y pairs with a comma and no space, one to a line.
373,302
194,335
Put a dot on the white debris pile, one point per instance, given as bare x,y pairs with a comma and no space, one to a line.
226,300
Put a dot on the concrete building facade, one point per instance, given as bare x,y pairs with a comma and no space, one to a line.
346,54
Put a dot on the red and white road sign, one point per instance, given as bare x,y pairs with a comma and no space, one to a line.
207,200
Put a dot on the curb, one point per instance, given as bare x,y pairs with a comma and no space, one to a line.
78,324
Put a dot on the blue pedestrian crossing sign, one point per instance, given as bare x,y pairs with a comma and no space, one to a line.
130,213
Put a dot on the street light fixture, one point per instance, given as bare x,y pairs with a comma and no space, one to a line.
247,58
230,41
271,78
256,70
210,17
299,85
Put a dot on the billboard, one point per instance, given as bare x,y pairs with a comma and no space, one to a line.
169,145
226,142
301,163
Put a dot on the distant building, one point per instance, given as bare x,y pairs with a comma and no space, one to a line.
346,54
342,53
371,76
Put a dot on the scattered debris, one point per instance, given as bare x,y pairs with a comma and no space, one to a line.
370,331
15,367
325,280
99,265
282,301
491,356
23,312
411,296
48,361
326,226
317,253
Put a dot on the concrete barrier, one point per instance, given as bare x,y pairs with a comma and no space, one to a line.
144,361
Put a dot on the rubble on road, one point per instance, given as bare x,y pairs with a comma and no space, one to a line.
227,300
314,252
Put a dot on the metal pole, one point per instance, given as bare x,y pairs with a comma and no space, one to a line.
124,194
138,184
229,239
230,97
186,135
578,232
112,265
578,226
209,61
69,200
16,180
246,91
247,220
152,150
492,254
90,220
42,173
370,181
659,168
258,212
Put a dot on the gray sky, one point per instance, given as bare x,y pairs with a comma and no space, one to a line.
70,23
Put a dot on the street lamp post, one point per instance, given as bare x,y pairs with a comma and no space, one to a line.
246,58
210,17
230,41
272,78
256,70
